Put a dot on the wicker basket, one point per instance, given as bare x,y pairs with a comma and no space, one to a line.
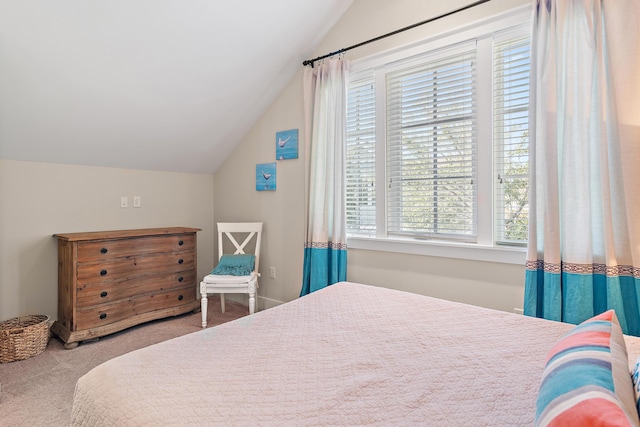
23,337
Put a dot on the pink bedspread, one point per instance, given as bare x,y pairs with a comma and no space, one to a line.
348,355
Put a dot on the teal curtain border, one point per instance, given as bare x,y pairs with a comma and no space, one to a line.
323,267
574,298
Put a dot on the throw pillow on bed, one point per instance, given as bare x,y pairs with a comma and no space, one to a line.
635,378
586,380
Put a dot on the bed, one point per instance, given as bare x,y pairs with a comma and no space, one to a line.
350,354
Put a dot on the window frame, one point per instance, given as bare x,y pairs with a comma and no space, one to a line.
484,247
459,60
507,119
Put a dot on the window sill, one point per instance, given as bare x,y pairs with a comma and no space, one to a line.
468,251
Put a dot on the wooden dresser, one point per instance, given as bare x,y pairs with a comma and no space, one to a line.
112,280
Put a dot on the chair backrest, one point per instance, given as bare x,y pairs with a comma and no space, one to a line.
233,231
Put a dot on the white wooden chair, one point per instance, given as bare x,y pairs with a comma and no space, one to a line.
222,284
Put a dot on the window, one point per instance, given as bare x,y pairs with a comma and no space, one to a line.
430,148
437,141
361,172
511,138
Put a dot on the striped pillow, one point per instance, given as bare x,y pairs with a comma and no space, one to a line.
635,378
586,381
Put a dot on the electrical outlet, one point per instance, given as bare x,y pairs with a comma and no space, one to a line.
137,202
272,272
124,202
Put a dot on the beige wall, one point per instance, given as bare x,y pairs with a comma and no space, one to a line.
488,284
40,199
282,211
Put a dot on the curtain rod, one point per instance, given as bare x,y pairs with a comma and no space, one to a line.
417,24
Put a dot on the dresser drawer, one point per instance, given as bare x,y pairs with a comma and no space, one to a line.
109,249
134,266
109,313
107,292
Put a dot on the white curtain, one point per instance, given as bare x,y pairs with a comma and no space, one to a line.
584,230
325,253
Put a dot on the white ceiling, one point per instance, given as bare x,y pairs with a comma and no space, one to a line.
168,85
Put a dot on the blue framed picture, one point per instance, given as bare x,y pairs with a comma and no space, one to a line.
266,177
287,144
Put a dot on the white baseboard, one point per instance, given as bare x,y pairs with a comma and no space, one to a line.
265,303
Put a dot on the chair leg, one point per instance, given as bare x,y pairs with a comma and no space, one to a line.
252,302
222,302
203,308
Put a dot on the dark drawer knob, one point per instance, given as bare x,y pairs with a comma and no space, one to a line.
103,272
180,261
180,279
104,250
103,294
180,242
180,297
103,316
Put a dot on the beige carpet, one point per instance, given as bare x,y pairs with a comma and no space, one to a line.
39,391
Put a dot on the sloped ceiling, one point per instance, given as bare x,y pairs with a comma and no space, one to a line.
168,85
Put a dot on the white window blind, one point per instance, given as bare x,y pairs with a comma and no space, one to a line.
431,161
511,138
361,145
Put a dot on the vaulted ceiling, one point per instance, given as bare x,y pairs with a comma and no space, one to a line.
147,84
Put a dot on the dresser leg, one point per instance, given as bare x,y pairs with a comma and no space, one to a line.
70,345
